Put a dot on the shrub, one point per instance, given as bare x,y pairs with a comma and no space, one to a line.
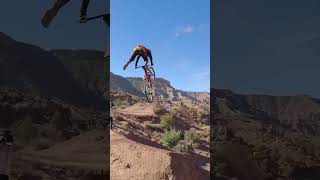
183,147
166,120
173,112
170,138
157,110
186,112
124,123
25,131
260,152
191,136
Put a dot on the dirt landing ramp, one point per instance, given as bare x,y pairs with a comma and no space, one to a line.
136,161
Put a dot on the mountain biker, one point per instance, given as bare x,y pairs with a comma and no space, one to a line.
58,4
140,51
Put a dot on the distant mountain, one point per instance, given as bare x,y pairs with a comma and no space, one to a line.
119,83
29,68
163,89
275,136
69,74
299,113
88,67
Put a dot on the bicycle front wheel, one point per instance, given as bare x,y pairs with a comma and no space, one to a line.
152,74
149,92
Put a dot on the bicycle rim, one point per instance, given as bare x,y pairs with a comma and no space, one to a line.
152,73
148,91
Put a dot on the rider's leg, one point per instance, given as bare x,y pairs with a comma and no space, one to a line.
52,12
59,4
133,56
84,7
144,67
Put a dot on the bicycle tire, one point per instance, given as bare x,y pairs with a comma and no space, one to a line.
148,91
153,73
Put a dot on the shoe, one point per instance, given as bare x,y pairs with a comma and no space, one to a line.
83,19
48,17
125,67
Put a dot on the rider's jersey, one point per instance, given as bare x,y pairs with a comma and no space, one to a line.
146,51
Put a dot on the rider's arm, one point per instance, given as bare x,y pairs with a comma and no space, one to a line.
137,61
150,56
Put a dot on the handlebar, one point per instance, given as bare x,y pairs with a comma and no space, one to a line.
105,17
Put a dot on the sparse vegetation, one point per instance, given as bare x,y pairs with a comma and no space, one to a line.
24,131
170,138
124,123
260,152
173,112
166,120
157,110
183,147
205,134
191,136
187,112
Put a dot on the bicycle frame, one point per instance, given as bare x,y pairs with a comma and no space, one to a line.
149,82
146,70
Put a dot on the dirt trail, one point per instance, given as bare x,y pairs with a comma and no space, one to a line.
139,109
132,160
86,151
138,112
136,154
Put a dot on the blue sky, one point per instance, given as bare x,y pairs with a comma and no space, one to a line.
21,20
177,32
267,47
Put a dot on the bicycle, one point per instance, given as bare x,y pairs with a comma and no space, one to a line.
149,81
